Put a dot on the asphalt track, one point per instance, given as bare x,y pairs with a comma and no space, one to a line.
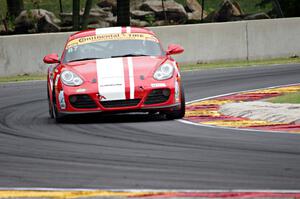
145,152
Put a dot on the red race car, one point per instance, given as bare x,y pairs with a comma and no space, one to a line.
119,69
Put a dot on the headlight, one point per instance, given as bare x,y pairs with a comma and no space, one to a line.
70,79
165,71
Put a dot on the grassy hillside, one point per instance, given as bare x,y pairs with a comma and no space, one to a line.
248,6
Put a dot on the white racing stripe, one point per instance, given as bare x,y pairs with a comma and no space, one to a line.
111,80
131,77
111,30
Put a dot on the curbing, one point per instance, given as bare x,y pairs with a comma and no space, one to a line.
205,112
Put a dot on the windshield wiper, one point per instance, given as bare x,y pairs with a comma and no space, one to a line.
129,55
83,59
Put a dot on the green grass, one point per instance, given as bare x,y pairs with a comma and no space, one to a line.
248,6
224,64
292,98
19,78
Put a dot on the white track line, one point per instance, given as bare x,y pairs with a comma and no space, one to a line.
232,128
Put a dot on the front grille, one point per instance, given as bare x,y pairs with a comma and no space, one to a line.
82,101
158,96
120,103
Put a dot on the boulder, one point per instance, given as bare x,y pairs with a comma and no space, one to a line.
194,17
256,16
229,11
135,4
174,11
112,21
160,23
194,11
100,24
138,23
108,4
193,6
141,15
36,20
96,14
45,24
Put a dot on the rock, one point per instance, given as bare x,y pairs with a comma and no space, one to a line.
112,21
96,14
66,18
36,20
100,24
142,15
138,23
160,23
174,11
211,17
228,12
193,6
195,11
195,17
45,24
108,4
255,16
135,4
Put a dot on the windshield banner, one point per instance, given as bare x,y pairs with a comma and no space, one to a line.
110,37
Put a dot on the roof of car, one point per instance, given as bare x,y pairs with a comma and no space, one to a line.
111,30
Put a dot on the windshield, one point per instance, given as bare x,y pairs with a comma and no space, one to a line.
92,48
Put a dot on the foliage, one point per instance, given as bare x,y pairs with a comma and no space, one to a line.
150,19
290,8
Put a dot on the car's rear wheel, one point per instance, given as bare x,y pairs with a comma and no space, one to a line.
179,113
59,117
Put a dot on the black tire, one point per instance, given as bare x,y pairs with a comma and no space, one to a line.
179,113
49,104
59,117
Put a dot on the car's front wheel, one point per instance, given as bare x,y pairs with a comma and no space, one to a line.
59,117
179,113
49,104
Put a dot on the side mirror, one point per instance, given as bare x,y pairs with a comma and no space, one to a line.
174,49
51,59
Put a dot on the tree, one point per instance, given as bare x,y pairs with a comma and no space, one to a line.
86,14
123,12
76,14
286,8
14,7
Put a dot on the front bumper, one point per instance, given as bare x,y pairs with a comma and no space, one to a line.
96,103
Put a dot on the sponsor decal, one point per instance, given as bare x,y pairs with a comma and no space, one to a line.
61,98
177,93
116,78
56,80
101,97
111,80
111,37
156,85
80,90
